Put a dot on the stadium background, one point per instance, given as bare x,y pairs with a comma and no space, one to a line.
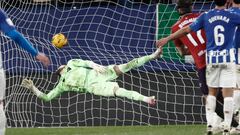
188,109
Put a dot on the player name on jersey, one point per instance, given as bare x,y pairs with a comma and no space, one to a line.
184,23
219,17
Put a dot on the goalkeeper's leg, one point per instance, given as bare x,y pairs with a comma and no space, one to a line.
108,89
2,94
133,95
137,62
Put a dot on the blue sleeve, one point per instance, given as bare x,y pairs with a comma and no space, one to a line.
198,24
8,28
6,24
22,41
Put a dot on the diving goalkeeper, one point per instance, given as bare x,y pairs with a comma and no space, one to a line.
88,77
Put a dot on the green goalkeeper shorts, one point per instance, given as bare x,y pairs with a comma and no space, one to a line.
103,89
100,84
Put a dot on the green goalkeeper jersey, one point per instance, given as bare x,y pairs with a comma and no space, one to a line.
79,76
74,76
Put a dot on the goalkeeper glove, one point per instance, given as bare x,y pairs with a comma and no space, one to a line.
27,84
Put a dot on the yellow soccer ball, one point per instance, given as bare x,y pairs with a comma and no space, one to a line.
59,40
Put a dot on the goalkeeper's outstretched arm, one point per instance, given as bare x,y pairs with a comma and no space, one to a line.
46,97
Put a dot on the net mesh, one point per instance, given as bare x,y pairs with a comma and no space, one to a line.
106,32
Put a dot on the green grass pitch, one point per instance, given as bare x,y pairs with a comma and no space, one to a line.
115,130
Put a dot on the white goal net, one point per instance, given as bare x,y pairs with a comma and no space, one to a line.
106,32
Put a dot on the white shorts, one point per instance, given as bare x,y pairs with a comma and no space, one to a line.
221,75
2,84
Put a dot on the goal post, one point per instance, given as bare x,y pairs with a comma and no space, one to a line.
106,32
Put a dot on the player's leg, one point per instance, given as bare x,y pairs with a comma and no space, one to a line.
228,82
236,93
236,111
210,108
133,95
204,89
108,89
219,109
2,119
228,108
137,62
2,94
212,82
212,73
236,100
113,71
219,116
202,81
